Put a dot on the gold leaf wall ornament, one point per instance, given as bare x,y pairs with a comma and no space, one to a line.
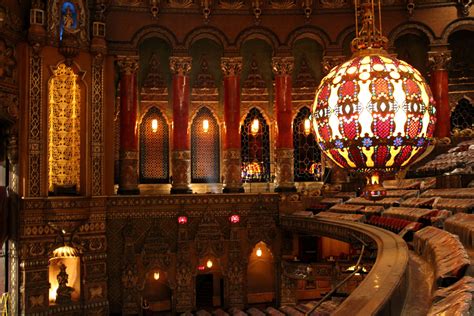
64,106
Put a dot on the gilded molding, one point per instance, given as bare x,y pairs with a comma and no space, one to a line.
283,66
439,60
128,64
180,65
35,126
231,66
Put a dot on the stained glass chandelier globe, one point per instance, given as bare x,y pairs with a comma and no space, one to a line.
374,113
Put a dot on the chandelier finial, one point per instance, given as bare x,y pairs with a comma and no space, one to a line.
368,36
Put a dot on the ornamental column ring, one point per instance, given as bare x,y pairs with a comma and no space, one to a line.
283,66
180,66
231,66
128,64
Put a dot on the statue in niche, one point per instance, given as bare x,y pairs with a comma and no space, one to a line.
69,19
63,293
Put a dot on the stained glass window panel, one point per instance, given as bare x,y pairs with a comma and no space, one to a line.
205,157
307,156
154,148
255,141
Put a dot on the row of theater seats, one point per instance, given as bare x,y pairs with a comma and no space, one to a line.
325,309
439,237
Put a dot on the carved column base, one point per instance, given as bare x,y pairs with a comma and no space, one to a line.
232,172
288,291
128,184
284,171
181,162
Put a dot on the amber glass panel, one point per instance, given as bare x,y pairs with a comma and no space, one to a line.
64,104
154,148
205,158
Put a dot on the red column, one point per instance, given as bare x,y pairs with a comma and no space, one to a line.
128,183
439,87
284,171
181,154
231,67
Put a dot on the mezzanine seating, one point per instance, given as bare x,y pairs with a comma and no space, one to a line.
444,251
455,299
462,225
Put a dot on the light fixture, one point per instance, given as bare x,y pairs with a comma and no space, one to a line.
201,268
156,276
258,252
2,15
255,127
64,252
182,220
374,113
205,126
154,125
234,219
307,127
209,264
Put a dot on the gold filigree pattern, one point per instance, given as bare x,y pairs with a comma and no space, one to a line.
64,128
34,137
97,125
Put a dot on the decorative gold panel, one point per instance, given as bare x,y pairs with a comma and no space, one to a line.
64,128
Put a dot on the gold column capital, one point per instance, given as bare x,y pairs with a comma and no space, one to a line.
329,62
231,66
180,65
283,65
439,60
128,64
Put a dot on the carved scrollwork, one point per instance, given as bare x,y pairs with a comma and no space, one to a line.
283,66
439,60
180,66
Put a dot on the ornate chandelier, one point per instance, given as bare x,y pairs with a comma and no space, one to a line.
373,113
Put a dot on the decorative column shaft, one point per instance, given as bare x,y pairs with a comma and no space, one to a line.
181,155
128,183
282,68
231,67
439,87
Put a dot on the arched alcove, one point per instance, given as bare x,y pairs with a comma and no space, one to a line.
261,275
461,44
162,50
413,48
259,51
156,294
311,52
212,52
462,116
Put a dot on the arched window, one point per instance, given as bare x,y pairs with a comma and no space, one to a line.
307,155
255,140
205,158
154,148
64,125
462,116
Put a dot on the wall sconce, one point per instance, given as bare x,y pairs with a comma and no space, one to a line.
64,275
156,276
209,264
258,252
154,125
205,126
307,127
3,15
255,127
182,220
234,219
